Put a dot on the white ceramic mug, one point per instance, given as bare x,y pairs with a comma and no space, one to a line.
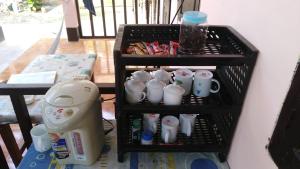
155,90
150,122
40,138
184,78
134,97
141,75
162,75
202,83
173,94
134,91
169,128
187,123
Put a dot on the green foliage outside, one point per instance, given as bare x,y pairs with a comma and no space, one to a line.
34,5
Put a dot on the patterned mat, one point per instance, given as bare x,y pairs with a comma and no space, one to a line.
108,159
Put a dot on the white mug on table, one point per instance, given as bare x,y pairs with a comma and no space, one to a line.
202,83
40,138
187,123
169,128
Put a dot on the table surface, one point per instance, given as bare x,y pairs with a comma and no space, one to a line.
108,159
104,65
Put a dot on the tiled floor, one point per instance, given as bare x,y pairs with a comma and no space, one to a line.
16,41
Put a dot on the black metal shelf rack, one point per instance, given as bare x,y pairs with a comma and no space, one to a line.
234,58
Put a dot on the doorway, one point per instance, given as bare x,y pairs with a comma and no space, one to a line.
284,146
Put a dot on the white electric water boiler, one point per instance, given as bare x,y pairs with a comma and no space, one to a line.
72,115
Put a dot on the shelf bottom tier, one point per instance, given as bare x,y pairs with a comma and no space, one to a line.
206,137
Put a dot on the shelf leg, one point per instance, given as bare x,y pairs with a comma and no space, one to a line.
222,157
120,157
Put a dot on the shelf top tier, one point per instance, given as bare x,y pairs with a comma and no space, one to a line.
224,46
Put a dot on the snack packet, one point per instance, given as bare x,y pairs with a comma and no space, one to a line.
173,47
149,48
142,47
156,47
165,49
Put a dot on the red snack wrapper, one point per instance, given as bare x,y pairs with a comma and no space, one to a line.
149,48
173,47
156,48
165,49
159,53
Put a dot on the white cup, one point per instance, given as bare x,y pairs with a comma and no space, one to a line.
169,127
155,91
162,75
134,91
202,83
187,123
134,97
141,75
150,122
184,78
40,138
173,94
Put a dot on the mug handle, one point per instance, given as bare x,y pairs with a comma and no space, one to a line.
189,130
129,78
167,136
154,127
171,80
152,74
218,84
143,96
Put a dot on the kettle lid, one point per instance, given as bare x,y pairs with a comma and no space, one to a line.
72,93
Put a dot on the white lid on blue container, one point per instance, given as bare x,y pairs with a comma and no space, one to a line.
194,17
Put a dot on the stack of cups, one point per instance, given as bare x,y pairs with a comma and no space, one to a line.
150,128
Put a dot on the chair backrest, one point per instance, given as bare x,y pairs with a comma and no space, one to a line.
3,161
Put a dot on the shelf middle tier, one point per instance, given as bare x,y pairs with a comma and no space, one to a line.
190,104
195,60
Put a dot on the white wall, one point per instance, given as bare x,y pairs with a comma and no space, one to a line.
273,26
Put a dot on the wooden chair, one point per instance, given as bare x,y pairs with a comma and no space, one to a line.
11,145
3,161
8,117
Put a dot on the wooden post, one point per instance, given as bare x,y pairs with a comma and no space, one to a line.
71,20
